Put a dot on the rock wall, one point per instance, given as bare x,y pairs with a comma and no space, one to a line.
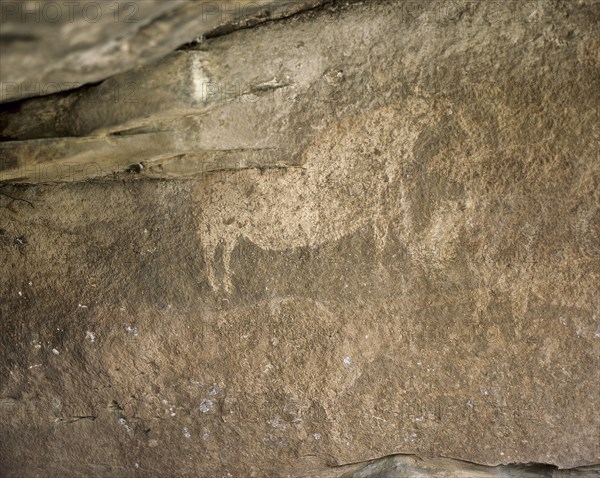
370,229
49,46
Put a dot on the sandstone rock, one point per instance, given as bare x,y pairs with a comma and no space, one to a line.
402,466
217,107
393,251
50,46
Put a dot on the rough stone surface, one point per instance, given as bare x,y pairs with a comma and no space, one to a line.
116,347
201,108
397,253
49,46
402,466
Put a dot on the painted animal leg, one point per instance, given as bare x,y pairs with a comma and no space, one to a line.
210,251
228,248
381,223
381,229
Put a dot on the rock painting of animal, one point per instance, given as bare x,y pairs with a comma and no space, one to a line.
344,183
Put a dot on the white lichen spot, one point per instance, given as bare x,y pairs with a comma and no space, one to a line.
20,294
563,320
55,352
172,411
267,368
81,306
186,432
347,361
215,391
277,423
317,436
137,465
132,330
206,405
91,336
410,438
205,436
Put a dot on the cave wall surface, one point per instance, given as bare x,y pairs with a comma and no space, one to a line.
369,229
49,46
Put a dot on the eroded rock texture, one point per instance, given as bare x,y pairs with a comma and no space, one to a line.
384,241
48,46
